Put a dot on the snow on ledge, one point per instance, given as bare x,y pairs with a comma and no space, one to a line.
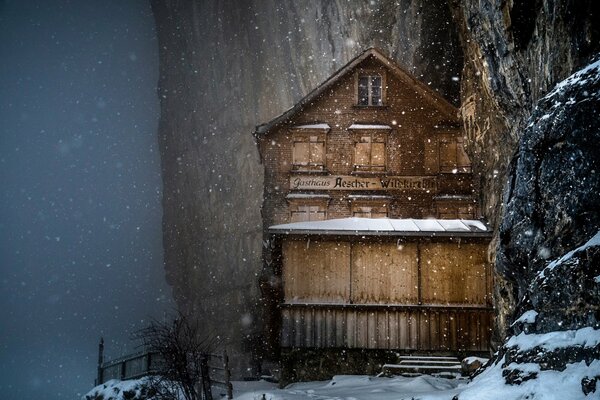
367,126
594,241
577,78
312,126
386,225
585,337
528,317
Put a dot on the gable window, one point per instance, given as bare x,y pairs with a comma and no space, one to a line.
369,152
309,151
369,90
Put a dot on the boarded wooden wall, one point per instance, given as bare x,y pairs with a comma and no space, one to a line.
455,273
316,271
384,274
432,295
418,328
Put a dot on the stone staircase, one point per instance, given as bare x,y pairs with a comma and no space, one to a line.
419,365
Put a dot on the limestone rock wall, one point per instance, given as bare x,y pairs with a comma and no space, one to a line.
226,66
514,53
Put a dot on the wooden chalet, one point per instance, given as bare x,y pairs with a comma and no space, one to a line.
371,223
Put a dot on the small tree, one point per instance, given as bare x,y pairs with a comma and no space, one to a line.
183,351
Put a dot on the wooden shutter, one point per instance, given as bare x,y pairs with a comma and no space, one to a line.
466,212
299,214
447,155
317,151
378,155
316,213
301,154
431,162
362,154
463,161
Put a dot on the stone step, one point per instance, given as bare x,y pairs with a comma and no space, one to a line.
423,365
429,362
428,358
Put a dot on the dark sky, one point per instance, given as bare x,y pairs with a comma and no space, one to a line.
80,212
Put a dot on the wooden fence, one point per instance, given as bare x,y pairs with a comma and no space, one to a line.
145,363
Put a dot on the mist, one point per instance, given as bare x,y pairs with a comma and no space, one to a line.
80,212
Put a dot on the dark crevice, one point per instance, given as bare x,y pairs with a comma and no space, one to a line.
522,16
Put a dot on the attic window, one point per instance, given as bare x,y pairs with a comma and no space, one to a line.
369,90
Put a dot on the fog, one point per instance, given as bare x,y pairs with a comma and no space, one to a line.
80,222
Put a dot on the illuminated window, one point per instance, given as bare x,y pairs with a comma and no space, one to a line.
369,90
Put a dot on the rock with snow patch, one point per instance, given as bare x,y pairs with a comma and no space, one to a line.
553,193
550,246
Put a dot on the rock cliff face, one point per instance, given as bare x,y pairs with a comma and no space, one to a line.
534,138
227,66
550,245
514,53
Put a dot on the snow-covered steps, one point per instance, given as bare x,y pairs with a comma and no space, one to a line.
430,365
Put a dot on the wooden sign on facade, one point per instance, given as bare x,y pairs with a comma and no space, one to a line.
349,182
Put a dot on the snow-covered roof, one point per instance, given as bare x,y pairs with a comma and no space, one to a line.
386,226
369,126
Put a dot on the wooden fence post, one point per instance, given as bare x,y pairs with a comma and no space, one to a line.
227,375
205,378
100,377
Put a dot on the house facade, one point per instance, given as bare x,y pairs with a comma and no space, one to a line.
370,213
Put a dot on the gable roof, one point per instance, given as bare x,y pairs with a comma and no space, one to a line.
433,97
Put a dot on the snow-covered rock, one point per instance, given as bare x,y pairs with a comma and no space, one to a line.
137,389
550,245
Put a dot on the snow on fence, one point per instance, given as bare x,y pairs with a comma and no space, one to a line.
145,363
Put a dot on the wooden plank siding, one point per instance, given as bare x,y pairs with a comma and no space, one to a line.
396,328
316,271
425,294
383,274
454,273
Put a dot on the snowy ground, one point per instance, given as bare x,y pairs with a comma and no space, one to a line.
355,387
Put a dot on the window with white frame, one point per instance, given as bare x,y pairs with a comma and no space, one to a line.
370,90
